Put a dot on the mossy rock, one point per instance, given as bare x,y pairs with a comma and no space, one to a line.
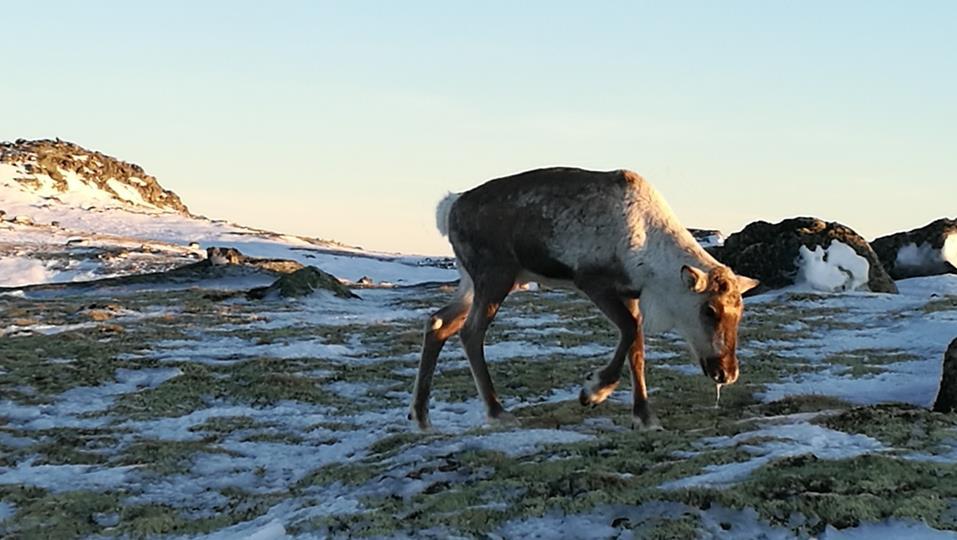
302,282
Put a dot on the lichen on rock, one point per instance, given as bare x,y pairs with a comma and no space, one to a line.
303,282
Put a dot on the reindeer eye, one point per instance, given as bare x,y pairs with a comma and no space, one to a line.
710,312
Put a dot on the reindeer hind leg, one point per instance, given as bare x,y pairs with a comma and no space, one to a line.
490,291
441,325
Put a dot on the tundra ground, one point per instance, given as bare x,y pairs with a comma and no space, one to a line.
191,413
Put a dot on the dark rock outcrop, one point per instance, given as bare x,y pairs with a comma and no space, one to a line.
947,395
224,256
53,158
302,282
917,252
769,252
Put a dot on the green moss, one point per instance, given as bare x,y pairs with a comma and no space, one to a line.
803,404
900,426
945,303
70,514
685,527
166,457
351,474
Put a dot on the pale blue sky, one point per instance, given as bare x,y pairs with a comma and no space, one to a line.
349,120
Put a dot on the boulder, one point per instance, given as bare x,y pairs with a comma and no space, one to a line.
302,282
804,249
927,251
947,395
219,256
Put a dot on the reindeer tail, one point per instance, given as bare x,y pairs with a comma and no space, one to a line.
442,212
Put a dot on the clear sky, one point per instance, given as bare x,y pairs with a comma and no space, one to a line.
349,120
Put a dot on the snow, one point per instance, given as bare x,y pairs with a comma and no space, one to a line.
949,250
839,268
15,271
58,478
789,440
6,511
86,211
892,528
925,257
128,193
905,329
70,406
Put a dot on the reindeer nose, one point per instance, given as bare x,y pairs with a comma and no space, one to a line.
720,377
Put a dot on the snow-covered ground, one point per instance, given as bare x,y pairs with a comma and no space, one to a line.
90,219
235,419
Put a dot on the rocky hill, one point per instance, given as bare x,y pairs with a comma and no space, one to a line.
61,170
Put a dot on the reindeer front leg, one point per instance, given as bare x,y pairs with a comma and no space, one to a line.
601,383
642,417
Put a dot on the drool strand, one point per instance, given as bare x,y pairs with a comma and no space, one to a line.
717,394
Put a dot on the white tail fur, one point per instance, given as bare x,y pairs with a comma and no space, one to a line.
442,212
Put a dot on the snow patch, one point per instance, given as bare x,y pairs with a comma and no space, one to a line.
7,510
17,271
58,478
925,257
790,440
891,528
839,268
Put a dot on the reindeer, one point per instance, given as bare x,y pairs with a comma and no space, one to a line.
609,235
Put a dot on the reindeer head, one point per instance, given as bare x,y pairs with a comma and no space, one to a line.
710,318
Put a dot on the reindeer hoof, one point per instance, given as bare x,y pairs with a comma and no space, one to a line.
503,417
651,424
422,422
592,394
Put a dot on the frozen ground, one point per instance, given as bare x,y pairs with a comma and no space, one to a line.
181,414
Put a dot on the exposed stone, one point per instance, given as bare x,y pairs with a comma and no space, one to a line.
302,282
219,256
54,158
947,395
920,252
23,220
769,252
365,280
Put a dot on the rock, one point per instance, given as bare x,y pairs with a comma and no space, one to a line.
927,251
193,245
302,282
54,158
365,280
219,256
772,253
947,395
23,220
55,224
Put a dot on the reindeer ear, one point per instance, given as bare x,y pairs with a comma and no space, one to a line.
745,284
695,279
